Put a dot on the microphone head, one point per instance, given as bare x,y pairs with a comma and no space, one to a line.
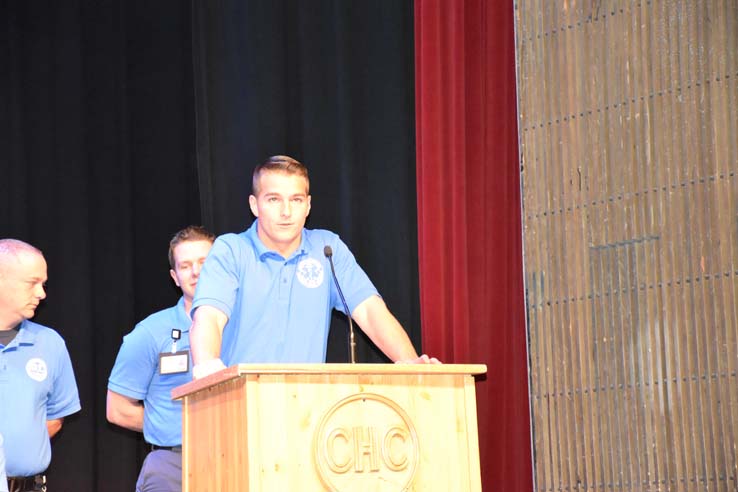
327,251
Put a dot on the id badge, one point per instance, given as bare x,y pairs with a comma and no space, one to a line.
174,362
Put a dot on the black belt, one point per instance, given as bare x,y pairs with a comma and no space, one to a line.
176,449
21,484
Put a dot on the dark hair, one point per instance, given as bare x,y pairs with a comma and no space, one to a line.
282,164
189,233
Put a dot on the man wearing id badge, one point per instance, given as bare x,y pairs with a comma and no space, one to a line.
154,359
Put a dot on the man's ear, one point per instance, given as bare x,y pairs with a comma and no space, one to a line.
252,205
174,277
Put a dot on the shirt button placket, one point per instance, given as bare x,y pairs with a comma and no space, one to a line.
283,285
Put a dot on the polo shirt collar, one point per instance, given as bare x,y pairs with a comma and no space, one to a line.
265,252
26,335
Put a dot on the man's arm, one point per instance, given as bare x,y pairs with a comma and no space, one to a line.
53,426
386,332
206,337
125,411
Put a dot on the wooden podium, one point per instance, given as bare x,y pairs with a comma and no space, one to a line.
331,427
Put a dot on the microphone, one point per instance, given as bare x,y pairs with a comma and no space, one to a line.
328,252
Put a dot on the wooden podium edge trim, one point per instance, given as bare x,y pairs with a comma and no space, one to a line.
238,370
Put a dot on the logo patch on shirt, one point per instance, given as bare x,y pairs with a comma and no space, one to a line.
310,273
36,369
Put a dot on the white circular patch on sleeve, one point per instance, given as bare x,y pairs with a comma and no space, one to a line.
36,369
310,273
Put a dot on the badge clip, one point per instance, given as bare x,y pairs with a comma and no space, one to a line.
176,335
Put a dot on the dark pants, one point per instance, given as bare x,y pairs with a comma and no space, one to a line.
27,484
161,472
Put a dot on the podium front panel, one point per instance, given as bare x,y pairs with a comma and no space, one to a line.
327,429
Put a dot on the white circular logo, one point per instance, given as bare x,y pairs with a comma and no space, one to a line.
310,273
36,369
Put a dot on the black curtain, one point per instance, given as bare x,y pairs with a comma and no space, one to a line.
98,170
126,120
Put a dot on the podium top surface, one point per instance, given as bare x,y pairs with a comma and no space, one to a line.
239,370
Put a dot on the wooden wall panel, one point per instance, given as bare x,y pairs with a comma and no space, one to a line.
628,117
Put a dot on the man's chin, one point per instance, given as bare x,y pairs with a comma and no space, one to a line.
287,237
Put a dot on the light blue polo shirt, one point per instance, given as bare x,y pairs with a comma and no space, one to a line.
279,309
36,384
3,476
136,373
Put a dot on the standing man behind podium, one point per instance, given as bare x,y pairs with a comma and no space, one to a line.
154,359
266,294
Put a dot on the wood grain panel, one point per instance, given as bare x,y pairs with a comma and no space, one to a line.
628,119
318,427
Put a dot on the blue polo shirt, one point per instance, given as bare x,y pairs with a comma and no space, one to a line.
279,309
136,373
36,384
3,477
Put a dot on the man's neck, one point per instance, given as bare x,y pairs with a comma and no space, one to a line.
285,250
7,336
187,305
9,324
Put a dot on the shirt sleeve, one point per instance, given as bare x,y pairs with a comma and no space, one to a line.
64,398
135,365
219,278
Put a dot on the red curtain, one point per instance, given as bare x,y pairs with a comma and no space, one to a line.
470,245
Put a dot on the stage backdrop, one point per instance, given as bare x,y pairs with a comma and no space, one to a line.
126,120
98,170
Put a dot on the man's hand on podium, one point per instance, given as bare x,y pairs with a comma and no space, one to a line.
423,359
206,368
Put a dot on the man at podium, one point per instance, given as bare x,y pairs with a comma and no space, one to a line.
266,295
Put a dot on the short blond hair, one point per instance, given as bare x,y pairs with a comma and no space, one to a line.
281,164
